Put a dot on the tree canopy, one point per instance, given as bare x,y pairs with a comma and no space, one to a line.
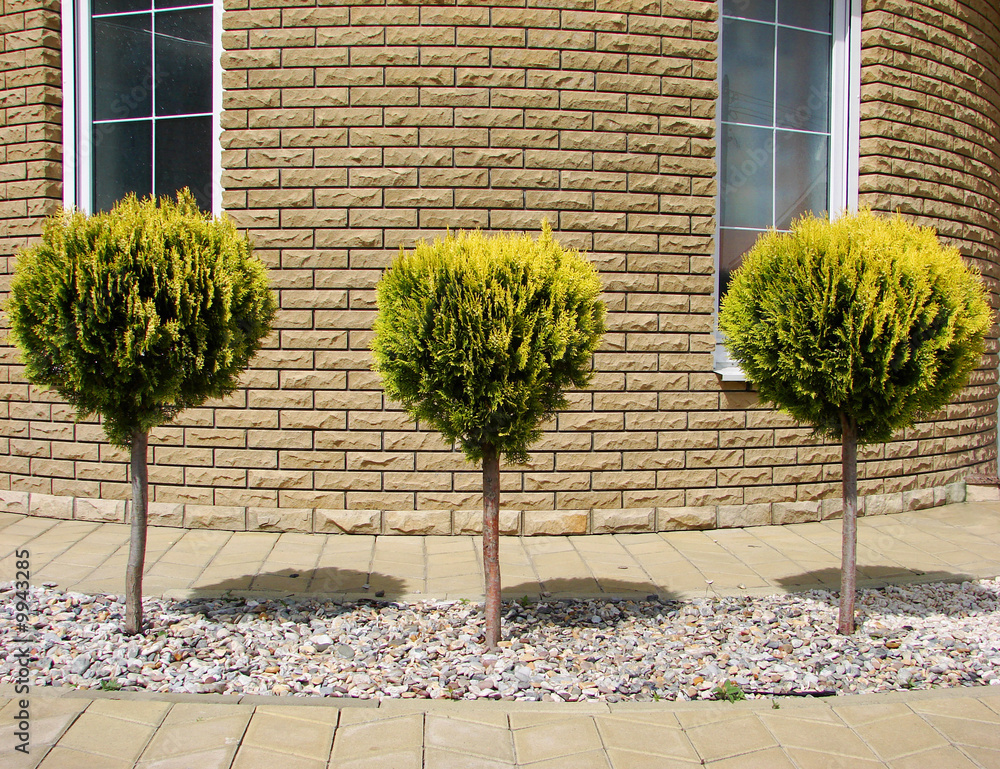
140,312
865,315
479,336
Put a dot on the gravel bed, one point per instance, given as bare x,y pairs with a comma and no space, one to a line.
912,636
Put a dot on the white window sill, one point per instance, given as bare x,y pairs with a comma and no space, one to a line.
730,373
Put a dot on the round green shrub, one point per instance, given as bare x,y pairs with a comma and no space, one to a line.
866,316
139,312
478,336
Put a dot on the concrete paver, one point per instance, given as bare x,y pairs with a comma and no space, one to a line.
556,738
206,736
370,739
738,736
940,729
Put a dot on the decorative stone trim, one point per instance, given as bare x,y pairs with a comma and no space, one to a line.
528,523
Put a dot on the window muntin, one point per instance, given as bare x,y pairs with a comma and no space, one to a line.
775,127
789,82
144,114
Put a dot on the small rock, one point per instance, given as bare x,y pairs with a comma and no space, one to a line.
321,642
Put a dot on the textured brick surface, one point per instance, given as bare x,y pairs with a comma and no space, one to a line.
353,130
930,149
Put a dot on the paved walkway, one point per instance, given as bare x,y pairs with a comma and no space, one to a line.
943,543
926,730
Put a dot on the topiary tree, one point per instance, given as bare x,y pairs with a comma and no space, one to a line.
135,315
857,327
478,336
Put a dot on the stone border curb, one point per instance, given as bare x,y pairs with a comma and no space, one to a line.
527,523
566,708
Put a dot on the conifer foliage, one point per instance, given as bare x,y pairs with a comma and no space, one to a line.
134,315
858,327
479,337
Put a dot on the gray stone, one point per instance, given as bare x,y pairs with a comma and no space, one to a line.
321,642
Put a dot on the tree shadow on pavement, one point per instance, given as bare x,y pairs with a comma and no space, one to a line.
587,589
875,578
325,582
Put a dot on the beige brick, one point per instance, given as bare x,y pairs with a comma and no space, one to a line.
466,522
729,516
681,518
881,504
215,517
332,521
279,519
422,522
921,499
796,512
14,501
102,510
623,521
48,506
559,522
164,514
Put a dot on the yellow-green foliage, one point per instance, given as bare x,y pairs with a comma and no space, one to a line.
479,335
867,316
139,312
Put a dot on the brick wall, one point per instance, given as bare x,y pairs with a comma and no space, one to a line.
930,148
30,187
353,130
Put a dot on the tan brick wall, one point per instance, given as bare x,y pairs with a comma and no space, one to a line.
353,130
30,188
930,149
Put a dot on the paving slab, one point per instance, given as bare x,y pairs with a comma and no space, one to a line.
557,738
70,728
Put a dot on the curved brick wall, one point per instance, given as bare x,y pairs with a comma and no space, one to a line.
930,148
352,131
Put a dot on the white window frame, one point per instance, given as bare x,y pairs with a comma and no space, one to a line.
78,182
845,145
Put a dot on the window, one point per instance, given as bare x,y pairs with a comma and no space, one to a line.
143,100
788,90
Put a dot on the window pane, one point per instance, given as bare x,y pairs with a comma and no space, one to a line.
802,179
747,72
803,88
750,9
122,75
746,171
184,157
98,7
732,245
811,14
176,3
122,157
184,62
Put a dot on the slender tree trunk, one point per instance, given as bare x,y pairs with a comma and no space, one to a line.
849,560
137,540
491,542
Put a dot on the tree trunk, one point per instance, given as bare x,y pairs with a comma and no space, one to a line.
491,542
137,539
849,560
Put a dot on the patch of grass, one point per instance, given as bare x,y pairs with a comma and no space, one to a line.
729,691
110,685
